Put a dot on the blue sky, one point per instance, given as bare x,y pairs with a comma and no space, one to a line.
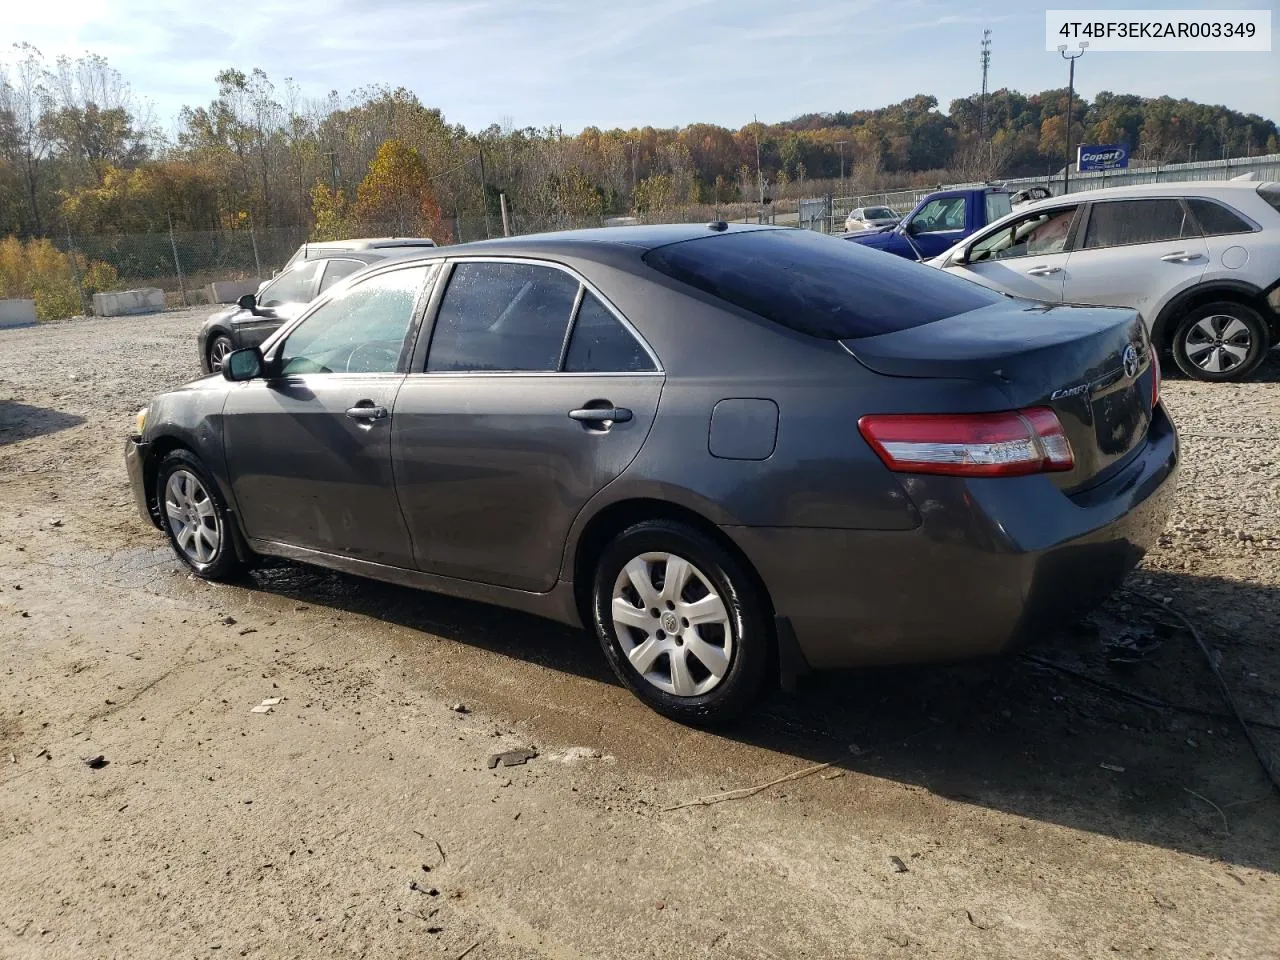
622,62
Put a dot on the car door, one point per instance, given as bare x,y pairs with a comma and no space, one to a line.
1025,256
280,301
1135,253
937,226
309,449
534,394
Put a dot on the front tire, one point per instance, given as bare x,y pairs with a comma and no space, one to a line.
219,347
681,622
195,519
1220,341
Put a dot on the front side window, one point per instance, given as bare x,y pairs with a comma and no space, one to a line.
363,329
1116,223
601,344
502,317
1036,234
295,285
945,213
1215,219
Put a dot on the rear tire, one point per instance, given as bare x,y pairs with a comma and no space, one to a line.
1220,341
195,519
695,648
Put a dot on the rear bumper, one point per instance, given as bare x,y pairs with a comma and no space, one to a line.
135,459
994,563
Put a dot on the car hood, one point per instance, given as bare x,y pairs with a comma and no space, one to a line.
223,316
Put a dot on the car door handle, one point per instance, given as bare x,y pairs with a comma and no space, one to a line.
367,412
1182,256
601,415
1043,271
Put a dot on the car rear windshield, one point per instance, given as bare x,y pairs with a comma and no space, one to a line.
819,285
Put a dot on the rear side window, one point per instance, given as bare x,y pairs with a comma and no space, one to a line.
338,270
1120,222
601,344
998,204
1216,219
818,285
502,316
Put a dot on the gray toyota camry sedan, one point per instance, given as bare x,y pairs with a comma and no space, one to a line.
733,452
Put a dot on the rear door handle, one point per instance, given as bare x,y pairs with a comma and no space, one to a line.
601,415
367,412
1043,271
1182,256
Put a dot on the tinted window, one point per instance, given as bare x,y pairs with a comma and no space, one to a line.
600,344
945,213
363,329
293,286
338,270
1036,234
818,285
879,213
503,316
1120,222
1215,219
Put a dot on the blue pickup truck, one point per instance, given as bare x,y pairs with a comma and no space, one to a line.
939,220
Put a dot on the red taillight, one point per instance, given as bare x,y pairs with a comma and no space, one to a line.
1007,444
1155,378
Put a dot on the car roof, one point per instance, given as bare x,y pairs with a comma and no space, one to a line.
637,239
1175,188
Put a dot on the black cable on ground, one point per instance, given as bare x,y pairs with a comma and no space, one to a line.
1222,684
1138,698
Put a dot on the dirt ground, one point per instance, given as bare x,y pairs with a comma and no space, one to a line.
1026,807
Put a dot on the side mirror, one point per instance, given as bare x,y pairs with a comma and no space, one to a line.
961,258
243,365
248,302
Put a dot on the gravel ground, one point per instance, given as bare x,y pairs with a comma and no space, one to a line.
1059,804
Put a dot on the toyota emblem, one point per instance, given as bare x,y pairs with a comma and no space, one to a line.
1130,361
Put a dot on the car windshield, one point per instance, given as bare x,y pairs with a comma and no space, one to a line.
879,213
822,286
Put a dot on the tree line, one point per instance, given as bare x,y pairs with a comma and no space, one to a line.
80,154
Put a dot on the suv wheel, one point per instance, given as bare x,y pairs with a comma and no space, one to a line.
1220,341
680,622
199,528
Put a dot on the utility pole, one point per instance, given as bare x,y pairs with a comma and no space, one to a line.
759,176
484,195
986,64
1071,92
840,144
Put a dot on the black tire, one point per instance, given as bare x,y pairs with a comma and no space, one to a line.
218,342
749,640
1198,327
223,562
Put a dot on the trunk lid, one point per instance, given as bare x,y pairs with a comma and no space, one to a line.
1091,365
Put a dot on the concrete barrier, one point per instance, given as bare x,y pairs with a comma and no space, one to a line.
229,291
124,302
17,313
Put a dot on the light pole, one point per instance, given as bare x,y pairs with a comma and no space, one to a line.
840,144
1071,92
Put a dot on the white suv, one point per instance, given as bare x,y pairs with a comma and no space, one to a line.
1199,261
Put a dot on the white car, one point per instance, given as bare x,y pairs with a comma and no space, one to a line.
869,218
1199,260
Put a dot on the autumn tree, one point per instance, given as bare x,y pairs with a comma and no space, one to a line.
397,191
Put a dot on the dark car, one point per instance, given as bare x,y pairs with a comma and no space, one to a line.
250,321
730,451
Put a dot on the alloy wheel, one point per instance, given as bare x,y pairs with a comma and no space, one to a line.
192,517
1218,343
672,624
218,353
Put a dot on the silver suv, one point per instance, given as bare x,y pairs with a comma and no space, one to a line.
1199,261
